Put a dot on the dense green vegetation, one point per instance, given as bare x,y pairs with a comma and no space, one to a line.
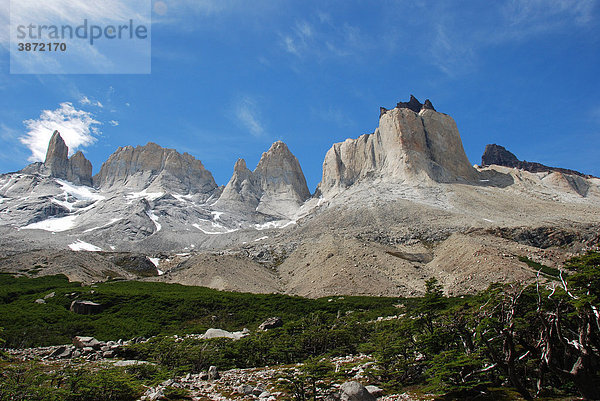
133,309
539,340
547,270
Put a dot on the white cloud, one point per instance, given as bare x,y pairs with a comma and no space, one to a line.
248,114
77,127
114,123
86,101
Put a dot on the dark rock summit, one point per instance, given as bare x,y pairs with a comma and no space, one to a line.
498,155
413,104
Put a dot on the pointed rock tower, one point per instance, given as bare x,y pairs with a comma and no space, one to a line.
57,157
80,170
277,187
77,169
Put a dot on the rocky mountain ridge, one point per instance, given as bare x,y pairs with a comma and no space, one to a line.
393,208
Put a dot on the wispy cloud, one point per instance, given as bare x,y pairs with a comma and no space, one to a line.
77,127
86,101
114,123
248,115
456,36
322,39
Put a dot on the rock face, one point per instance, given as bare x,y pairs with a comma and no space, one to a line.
76,169
413,143
57,160
276,187
79,170
157,168
498,155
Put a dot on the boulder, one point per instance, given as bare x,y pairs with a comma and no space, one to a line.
244,389
375,391
354,391
213,373
61,352
271,323
85,307
218,333
86,342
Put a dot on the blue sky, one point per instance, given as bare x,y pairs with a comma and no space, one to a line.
231,77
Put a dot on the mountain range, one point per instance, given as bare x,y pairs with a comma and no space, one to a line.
393,208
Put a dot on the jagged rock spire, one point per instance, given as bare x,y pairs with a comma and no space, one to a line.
57,160
276,187
77,169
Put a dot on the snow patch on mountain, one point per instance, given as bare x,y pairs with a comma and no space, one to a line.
54,224
84,246
79,191
154,219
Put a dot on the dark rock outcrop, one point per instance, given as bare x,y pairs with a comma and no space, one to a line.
498,155
414,105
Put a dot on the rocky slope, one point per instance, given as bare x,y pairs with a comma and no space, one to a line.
393,208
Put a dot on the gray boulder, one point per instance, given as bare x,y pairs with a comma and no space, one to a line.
213,373
375,391
218,333
271,323
354,391
86,343
85,307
